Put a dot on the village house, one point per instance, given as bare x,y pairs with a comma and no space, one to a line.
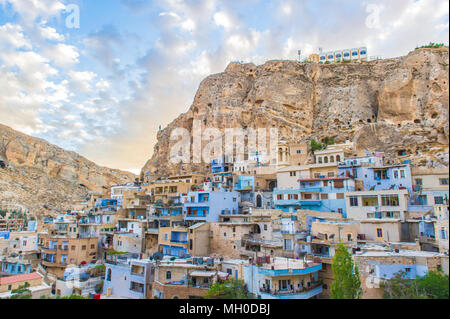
375,266
283,278
58,252
185,278
126,276
33,281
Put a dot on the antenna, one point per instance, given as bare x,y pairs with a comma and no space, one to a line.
299,54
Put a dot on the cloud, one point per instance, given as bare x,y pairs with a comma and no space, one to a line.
105,90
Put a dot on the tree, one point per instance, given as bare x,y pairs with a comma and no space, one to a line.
315,146
230,289
74,297
434,285
346,283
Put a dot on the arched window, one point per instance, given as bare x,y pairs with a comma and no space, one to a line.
320,160
331,159
325,159
108,276
168,275
338,158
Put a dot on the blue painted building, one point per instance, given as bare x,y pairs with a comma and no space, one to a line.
245,185
317,194
219,165
127,278
208,205
105,202
375,175
15,267
283,278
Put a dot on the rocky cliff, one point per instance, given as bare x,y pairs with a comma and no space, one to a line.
397,106
43,178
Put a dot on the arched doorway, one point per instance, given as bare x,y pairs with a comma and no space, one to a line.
258,201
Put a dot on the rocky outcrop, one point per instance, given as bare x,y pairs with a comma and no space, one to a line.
41,177
397,106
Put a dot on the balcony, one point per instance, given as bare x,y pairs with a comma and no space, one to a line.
178,241
306,293
311,189
283,202
289,272
310,202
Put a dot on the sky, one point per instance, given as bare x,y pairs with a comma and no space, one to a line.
100,77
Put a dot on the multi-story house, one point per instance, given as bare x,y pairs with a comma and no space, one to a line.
206,206
128,277
57,252
375,175
377,204
118,190
283,278
183,241
430,187
163,190
375,267
185,278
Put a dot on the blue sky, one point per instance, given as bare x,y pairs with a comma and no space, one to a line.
103,89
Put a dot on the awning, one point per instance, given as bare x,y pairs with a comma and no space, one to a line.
223,275
202,273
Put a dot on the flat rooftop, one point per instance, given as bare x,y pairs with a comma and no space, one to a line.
279,263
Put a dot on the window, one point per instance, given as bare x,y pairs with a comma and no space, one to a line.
418,181
168,275
92,246
293,173
402,173
324,196
353,201
9,287
83,247
438,200
299,151
389,200
340,196
326,159
338,158
349,237
320,160
331,159
443,181
279,197
224,234
379,232
395,174
265,226
370,200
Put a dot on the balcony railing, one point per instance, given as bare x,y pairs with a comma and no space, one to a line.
290,291
179,241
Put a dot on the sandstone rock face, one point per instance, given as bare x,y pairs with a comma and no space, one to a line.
41,177
390,105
